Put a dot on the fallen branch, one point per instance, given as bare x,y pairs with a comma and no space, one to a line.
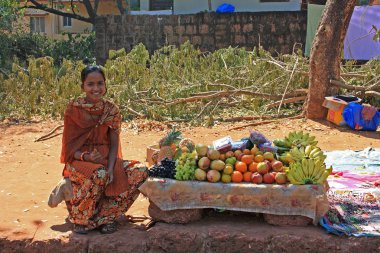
372,93
246,92
343,85
49,135
286,101
141,115
265,122
287,85
234,119
203,109
253,124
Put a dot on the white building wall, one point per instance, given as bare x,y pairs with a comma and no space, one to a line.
195,6
144,5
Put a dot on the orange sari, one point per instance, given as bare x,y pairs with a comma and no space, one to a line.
86,127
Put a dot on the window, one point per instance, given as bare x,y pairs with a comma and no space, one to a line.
156,5
37,24
66,22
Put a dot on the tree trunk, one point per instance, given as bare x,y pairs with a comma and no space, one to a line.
325,56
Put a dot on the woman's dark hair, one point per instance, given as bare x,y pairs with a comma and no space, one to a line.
90,69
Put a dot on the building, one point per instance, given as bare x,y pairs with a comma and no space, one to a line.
53,25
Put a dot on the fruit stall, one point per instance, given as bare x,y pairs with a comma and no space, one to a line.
282,179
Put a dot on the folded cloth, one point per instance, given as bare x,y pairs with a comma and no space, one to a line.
62,191
368,112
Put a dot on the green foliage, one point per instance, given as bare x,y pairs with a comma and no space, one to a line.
8,14
147,84
25,45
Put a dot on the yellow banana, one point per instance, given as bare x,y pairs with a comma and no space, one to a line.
324,176
310,168
292,180
308,149
317,166
305,165
315,150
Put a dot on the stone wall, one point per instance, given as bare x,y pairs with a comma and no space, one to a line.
275,31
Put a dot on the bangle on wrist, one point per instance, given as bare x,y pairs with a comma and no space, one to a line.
82,155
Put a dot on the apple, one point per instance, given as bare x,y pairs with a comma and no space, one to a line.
277,166
268,156
262,168
256,178
268,178
229,154
281,178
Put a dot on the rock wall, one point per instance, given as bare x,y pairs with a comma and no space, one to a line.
275,31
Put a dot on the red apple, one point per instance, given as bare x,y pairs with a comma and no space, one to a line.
256,178
277,166
268,178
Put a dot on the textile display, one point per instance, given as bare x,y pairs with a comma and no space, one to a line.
305,200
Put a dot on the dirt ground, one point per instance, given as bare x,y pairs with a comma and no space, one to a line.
29,169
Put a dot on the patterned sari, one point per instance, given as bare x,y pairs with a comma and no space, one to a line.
96,201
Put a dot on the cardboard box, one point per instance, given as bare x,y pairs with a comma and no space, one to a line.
149,152
336,107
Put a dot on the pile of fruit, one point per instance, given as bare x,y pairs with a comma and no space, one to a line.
297,160
248,165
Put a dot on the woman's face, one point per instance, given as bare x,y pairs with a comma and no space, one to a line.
94,86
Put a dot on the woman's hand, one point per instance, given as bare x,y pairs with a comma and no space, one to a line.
110,173
95,156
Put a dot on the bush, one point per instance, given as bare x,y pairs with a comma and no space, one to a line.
25,45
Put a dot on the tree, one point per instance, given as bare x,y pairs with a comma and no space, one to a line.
8,14
91,6
325,56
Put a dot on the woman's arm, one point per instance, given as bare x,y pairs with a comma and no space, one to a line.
114,144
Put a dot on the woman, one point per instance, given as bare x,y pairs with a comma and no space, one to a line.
103,189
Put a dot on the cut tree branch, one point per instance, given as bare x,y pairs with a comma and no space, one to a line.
343,85
38,6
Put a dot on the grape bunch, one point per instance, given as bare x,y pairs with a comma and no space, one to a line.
165,170
186,165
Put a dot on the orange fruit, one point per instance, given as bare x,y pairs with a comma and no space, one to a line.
236,177
253,167
247,176
246,152
240,166
258,158
247,159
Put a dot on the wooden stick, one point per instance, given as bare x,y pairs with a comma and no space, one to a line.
47,136
286,101
287,85
265,122
204,108
234,119
253,124
135,112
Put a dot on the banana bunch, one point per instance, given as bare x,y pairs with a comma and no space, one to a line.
309,151
281,146
299,139
308,171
